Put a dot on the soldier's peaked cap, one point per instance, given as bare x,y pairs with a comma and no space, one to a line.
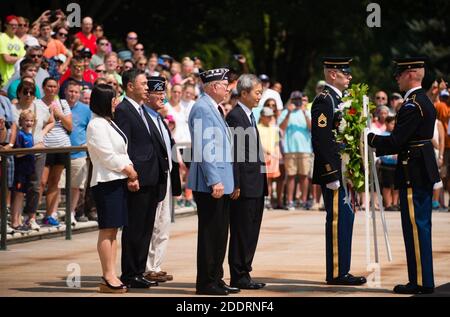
341,63
405,63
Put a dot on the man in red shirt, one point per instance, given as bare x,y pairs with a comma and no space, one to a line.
85,35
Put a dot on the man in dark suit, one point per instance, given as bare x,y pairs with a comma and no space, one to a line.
250,182
168,187
416,172
327,172
144,152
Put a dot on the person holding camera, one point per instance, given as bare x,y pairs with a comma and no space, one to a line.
295,121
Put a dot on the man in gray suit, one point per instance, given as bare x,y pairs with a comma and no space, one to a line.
211,180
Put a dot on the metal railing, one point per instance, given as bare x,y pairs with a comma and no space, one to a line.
67,151
4,184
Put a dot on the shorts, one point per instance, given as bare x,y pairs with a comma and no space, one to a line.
186,160
78,174
21,183
298,164
445,168
55,159
387,175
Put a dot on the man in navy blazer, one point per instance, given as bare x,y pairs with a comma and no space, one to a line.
250,182
211,180
143,150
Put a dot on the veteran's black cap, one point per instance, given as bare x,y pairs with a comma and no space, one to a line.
341,63
405,63
214,75
156,83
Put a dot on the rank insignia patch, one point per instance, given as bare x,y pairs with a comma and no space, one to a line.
322,121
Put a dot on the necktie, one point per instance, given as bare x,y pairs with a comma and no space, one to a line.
221,111
253,120
141,112
166,138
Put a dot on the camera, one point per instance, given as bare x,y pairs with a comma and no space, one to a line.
53,16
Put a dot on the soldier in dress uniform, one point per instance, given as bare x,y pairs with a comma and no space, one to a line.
327,172
416,172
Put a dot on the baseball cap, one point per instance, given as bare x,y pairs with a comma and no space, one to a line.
61,58
296,94
264,78
267,112
444,93
396,95
9,18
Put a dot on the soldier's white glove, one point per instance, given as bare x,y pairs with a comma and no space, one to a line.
334,185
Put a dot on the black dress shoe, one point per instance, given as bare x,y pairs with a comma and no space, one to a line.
248,285
140,282
230,289
212,290
348,280
413,289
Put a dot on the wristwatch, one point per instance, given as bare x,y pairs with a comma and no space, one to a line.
11,145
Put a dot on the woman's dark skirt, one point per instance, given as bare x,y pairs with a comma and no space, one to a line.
111,202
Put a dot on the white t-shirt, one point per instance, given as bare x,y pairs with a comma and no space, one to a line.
181,133
42,117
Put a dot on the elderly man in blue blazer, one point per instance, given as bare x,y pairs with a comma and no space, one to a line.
211,180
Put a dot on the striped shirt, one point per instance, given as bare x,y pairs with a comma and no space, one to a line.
58,136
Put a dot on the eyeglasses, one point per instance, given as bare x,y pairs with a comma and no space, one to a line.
132,38
100,71
62,34
346,74
28,92
36,55
224,85
13,25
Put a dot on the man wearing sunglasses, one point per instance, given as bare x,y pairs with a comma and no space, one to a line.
327,172
416,172
35,53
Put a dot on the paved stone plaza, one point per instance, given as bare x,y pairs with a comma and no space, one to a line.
290,259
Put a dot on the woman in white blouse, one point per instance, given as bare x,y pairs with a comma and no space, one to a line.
112,175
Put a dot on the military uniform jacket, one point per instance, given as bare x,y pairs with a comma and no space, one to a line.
327,160
410,139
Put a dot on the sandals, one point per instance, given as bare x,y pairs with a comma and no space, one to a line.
108,288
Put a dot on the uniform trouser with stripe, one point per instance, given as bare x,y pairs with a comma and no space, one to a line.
338,231
161,229
416,207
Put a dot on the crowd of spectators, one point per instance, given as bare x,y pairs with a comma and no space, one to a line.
47,73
